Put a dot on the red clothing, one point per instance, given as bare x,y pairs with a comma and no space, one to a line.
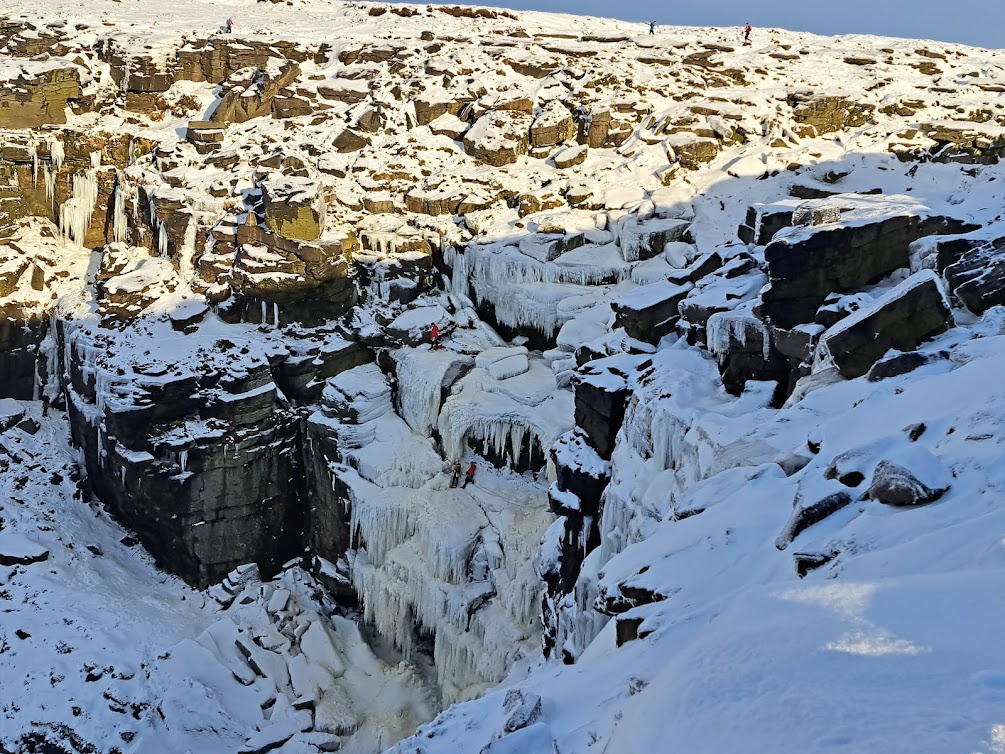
434,332
471,470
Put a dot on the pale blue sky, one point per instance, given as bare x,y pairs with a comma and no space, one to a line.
975,22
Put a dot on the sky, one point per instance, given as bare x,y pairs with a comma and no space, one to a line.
975,22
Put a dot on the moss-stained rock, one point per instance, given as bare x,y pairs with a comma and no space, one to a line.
552,126
293,207
499,137
818,114
39,95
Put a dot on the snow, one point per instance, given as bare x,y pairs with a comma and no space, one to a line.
892,644
745,648
110,624
18,548
504,413
917,279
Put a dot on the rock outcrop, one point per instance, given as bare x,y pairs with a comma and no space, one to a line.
901,319
840,254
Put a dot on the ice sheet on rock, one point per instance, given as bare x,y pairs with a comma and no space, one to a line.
527,292
416,549
422,377
504,414
886,601
417,322
385,450
18,549
724,327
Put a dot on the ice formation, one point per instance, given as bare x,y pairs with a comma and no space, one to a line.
264,299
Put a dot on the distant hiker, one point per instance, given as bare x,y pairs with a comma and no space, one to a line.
455,477
652,28
469,476
428,281
434,337
746,34
45,405
229,26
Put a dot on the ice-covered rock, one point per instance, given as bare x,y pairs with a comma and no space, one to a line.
19,549
901,319
869,240
912,477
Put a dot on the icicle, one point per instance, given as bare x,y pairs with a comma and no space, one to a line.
186,260
33,150
56,153
75,213
275,314
183,460
162,239
36,383
723,327
458,272
49,176
120,224
152,210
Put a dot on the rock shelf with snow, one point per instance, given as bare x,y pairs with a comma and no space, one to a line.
716,323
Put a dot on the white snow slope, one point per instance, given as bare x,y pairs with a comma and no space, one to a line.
893,646
892,643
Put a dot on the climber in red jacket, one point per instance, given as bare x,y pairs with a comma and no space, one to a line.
434,337
469,476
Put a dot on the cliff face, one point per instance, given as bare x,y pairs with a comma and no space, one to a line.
673,281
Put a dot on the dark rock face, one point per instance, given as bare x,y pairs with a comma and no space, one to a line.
522,708
627,629
18,550
745,352
205,469
600,408
317,284
969,144
20,356
328,535
763,221
735,282
810,561
39,97
975,271
902,319
897,364
577,498
213,60
807,514
302,379
894,484
251,92
645,240
576,495
804,268
650,312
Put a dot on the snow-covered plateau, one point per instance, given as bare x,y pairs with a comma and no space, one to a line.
441,379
